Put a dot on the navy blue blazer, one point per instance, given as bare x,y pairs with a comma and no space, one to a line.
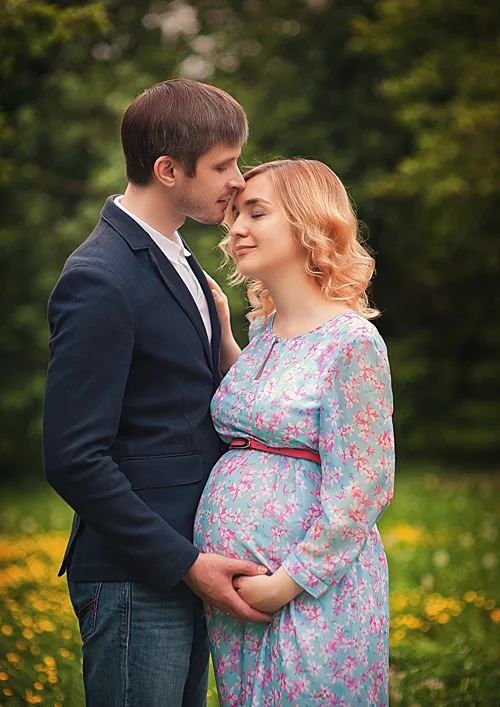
128,441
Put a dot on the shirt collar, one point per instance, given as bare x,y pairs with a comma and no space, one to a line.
173,247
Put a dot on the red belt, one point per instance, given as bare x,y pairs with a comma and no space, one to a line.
242,443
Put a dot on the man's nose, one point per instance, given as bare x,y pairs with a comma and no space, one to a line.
237,182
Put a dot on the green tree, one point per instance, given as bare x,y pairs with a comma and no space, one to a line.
441,85
37,186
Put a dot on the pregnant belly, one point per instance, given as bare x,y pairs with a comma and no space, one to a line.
257,506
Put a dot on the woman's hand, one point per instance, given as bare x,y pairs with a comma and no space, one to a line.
222,305
267,593
229,348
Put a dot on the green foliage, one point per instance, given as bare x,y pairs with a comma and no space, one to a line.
440,83
441,537
399,98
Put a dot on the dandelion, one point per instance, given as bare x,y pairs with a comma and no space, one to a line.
7,630
466,540
489,560
443,618
4,676
433,684
29,526
495,615
489,531
440,558
427,582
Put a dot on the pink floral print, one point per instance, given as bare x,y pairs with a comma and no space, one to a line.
329,391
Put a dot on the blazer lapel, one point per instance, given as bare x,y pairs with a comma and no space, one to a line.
176,285
214,317
138,239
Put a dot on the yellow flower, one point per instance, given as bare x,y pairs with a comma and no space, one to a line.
495,615
4,676
7,630
443,618
470,596
38,686
7,691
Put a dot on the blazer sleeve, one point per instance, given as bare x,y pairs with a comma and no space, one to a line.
91,347
356,447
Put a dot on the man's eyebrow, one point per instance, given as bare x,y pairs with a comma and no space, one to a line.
251,202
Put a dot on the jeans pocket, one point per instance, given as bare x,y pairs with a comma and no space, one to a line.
85,599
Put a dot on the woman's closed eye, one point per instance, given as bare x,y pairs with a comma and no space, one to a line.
257,215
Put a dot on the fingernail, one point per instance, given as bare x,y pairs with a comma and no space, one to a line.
263,570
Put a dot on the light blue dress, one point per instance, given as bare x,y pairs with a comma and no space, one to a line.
328,390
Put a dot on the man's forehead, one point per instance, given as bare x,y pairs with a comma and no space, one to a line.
224,152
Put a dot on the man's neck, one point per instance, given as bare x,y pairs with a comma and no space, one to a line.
151,205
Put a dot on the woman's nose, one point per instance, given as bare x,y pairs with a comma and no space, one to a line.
238,229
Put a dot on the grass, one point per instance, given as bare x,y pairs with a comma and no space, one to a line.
441,536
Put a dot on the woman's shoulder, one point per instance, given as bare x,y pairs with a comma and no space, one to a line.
354,329
257,326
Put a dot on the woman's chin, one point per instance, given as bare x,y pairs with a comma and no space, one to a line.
248,271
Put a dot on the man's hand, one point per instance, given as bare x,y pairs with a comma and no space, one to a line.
211,578
268,593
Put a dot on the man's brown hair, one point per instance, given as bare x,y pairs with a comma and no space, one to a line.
182,119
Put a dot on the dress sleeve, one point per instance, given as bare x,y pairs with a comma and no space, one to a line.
356,446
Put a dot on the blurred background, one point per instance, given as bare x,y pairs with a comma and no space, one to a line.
401,98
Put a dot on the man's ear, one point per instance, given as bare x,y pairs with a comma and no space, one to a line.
166,170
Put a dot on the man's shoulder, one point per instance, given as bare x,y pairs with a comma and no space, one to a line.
104,250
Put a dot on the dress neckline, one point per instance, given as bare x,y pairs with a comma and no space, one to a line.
326,324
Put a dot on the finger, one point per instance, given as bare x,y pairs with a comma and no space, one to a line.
237,583
246,567
213,284
244,612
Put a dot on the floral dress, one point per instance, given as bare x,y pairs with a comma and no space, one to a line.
329,391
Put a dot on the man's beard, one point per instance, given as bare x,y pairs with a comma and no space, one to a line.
190,207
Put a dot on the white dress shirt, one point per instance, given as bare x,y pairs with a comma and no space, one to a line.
177,254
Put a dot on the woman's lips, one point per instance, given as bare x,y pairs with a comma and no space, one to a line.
241,250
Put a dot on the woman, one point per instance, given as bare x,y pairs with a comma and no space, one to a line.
314,377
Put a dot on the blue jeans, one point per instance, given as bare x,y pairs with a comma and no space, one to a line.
141,648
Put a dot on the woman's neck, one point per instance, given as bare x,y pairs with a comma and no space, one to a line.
300,304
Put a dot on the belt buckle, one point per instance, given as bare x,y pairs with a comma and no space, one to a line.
240,443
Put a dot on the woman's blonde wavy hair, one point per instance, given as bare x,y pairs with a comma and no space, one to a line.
324,225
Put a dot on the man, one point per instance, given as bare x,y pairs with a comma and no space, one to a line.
128,439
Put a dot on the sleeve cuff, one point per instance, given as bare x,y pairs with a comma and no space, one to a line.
174,573
300,574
